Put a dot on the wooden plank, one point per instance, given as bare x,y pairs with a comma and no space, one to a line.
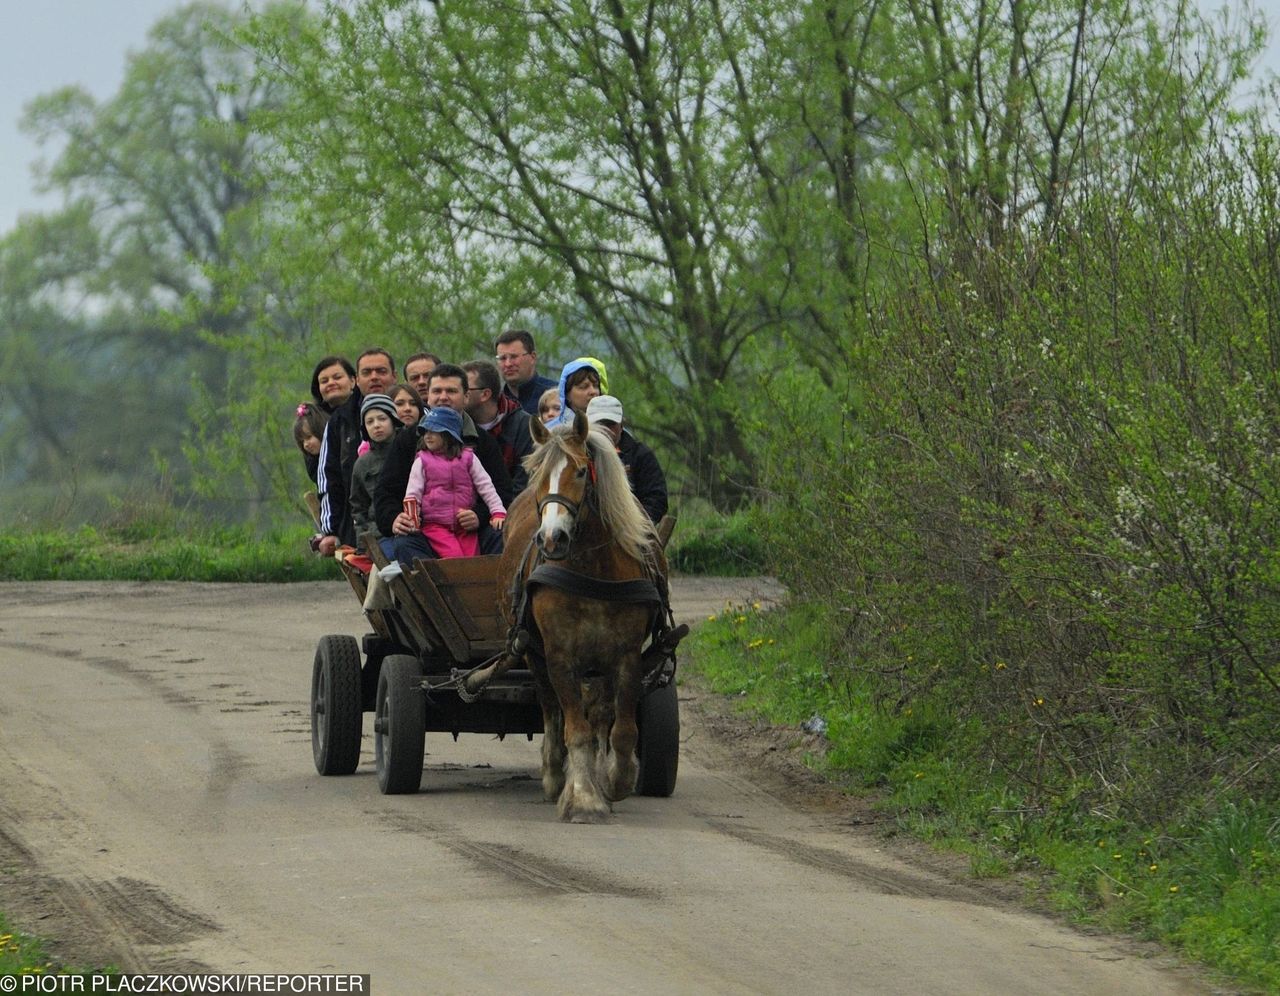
437,610
359,583
411,613
469,587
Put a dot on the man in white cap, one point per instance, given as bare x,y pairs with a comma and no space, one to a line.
648,483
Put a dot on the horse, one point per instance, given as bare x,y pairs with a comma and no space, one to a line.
582,579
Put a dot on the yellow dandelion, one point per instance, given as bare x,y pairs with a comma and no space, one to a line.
919,774
1117,856
1173,888
1000,665
1152,867
711,618
755,605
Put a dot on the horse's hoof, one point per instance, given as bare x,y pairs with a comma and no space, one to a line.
591,817
572,810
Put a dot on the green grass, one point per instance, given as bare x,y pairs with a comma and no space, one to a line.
137,553
1207,884
706,542
20,954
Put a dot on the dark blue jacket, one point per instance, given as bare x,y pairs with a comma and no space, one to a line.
531,391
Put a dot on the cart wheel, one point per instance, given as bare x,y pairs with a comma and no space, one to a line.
658,717
399,726
335,705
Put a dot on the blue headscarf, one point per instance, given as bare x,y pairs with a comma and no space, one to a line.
566,413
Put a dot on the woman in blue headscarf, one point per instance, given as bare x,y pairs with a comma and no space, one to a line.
580,381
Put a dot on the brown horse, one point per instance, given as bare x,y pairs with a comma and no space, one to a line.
581,572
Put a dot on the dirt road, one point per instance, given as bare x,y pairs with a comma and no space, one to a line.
159,811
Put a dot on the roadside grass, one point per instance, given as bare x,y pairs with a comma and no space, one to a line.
711,543
21,954
159,545
162,552
1207,886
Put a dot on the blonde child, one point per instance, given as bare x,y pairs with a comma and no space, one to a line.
445,479
549,405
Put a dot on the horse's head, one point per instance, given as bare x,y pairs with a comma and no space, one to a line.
564,489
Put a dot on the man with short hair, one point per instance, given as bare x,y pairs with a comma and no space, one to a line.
501,416
375,373
517,362
648,483
417,368
446,387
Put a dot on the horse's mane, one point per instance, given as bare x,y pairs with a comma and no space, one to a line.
620,512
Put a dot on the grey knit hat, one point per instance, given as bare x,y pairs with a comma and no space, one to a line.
378,403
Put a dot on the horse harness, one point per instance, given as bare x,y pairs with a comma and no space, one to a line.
523,637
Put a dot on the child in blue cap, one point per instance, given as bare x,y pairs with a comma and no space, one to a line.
444,479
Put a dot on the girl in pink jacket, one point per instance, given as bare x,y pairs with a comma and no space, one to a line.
444,479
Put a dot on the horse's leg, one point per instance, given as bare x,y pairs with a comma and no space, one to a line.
581,801
552,738
620,776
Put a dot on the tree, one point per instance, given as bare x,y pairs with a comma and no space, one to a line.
158,180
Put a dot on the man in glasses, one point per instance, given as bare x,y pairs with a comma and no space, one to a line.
501,416
518,364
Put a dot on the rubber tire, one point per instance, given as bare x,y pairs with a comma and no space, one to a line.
335,705
400,726
658,748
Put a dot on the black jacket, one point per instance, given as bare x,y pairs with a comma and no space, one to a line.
648,483
338,452
388,494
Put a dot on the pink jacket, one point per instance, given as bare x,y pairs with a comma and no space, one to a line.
445,485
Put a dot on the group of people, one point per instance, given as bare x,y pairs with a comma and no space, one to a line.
429,465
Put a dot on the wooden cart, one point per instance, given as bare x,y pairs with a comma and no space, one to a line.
444,621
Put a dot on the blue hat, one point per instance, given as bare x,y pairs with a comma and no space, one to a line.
442,420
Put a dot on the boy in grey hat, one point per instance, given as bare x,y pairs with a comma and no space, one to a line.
379,422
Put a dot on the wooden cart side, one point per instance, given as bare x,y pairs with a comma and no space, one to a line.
469,586
426,636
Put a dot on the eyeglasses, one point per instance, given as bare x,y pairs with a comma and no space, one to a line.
510,357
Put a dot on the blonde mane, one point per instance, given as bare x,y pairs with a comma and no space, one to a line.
620,511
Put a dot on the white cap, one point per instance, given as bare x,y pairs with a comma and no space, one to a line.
604,408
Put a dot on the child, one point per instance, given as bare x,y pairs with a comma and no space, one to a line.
445,478
549,405
308,432
378,423
408,404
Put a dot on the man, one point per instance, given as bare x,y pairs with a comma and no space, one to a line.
375,373
417,368
518,364
500,416
446,388
648,483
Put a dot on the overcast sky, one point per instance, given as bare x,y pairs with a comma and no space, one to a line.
45,44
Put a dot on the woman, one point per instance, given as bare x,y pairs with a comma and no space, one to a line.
332,381
580,381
